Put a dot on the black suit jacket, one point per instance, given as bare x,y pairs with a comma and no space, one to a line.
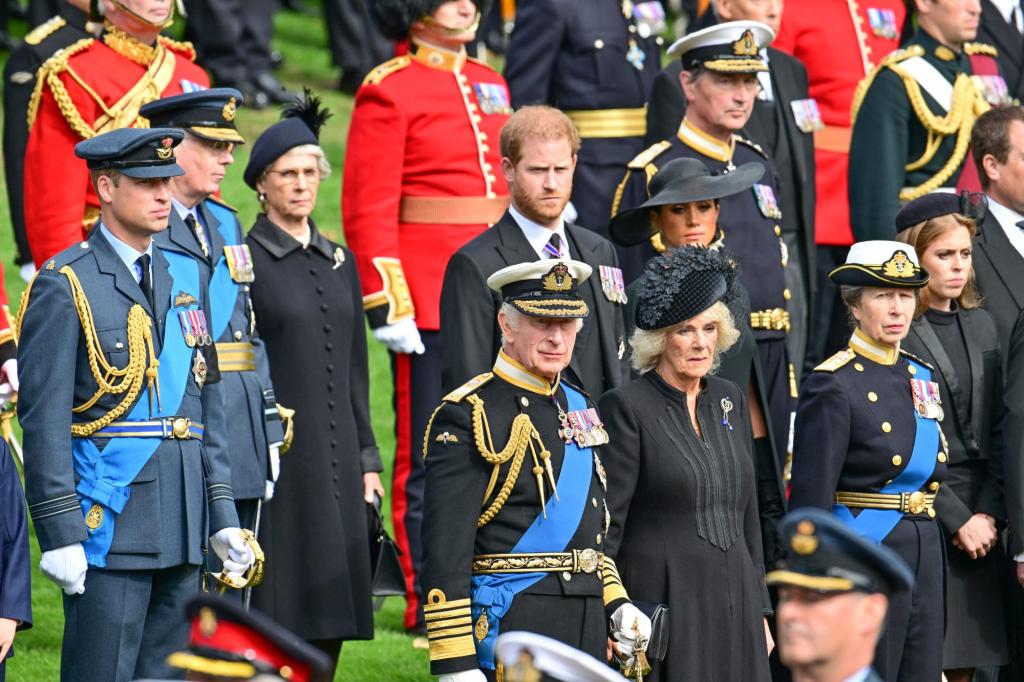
667,105
1013,437
470,337
999,273
995,31
981,426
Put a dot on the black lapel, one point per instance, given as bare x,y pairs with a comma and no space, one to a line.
513,246
109,263
977,383
1006,260
1006,37
785,94
928,338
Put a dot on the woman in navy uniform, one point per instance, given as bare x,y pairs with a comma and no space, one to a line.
868,447
959,338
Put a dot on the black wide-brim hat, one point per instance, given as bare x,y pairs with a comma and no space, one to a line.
682,283
824,555
881,263
680,181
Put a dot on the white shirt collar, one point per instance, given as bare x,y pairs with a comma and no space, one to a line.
537,234
1008,219
127,253
183,211
860,675
1006,7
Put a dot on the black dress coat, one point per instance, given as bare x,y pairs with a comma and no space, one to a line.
470,337
308,305
1008,41
1013,436
972,425
997,270
685,528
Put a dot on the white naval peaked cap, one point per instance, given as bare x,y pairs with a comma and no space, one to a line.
524,654
722,34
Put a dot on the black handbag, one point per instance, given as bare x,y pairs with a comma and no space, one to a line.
388,580
657,645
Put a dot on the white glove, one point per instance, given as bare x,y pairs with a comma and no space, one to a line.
622,622
401,337
464,676
275,462
8,380
66,566
234,553
268,491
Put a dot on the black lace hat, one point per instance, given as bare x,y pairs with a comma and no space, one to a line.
682,283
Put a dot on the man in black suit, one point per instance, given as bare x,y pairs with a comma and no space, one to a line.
997,142
1002,25
783,124
539,145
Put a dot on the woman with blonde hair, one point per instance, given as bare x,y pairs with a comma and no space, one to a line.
684,517
953,334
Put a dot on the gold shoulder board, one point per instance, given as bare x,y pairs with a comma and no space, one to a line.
384,70
750,143
465,389
186,48
969,48
45,30
648,155
916,359
836,361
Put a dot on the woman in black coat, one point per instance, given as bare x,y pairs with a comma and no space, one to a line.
683,210
681,486
308,305
953,334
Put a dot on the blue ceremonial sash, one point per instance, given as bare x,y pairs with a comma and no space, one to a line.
223,289
107,475
495,592
878,523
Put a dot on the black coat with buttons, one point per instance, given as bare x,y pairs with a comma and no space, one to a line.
308,304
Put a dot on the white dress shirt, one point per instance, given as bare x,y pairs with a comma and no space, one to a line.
128,254
537,234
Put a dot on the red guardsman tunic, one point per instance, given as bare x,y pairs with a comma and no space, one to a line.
840,42
422,176
91,87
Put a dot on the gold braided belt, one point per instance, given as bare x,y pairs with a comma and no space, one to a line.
774,319
573,561
917,502
236,356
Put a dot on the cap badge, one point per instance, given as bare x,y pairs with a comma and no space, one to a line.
558,279
164,151
207,621
804,542
898,266
230,109
745,46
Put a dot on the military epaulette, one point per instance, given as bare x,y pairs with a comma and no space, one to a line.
45,30
969,48
220,202
750,143
836,361
916,359
465,389
894,57
648,155
382,71
185,48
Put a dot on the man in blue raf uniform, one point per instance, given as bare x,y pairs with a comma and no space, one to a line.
208,231
868,447
719,78
125,467
834,590
515,513
595,60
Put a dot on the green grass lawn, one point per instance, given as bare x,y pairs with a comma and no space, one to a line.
390,656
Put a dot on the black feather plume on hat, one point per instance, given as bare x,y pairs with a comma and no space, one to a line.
686,281
309,109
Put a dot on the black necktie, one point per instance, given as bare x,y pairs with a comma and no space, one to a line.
199,232
146,282
554,246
